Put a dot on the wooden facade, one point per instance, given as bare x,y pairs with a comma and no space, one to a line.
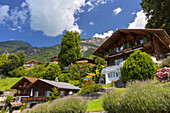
54,59
123,42
36,90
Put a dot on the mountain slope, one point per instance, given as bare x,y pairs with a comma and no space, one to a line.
43,54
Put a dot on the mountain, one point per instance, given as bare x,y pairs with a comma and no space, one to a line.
43,54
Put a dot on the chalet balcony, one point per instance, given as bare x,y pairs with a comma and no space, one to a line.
34,99
22,94
127,50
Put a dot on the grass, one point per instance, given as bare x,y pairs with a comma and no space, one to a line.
7,83
95,105
107,85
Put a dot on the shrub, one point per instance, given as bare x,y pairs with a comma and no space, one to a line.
140,97
62,105
90,87
163,74
165,63
145,97
39,108
68,105
139,66
8,99
110,102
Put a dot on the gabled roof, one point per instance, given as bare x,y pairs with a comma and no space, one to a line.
160,33
82,59
61,85
32,80
34,62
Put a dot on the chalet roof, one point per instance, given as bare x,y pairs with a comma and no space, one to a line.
32,80
91,74
159,33
82,59
53,57
61,85
33,62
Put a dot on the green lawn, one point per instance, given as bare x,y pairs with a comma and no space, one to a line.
7,83
95,105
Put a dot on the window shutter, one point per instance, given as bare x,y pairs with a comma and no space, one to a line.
145,39
127,45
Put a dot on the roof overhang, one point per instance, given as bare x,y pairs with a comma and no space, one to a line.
159,33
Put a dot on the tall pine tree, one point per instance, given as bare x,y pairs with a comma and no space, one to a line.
70,48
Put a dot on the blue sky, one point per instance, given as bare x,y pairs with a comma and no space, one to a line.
43,22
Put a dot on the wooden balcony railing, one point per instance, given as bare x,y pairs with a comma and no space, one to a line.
34,99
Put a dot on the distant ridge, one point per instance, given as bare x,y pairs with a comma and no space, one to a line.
43,54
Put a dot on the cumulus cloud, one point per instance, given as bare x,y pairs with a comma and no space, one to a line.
52,17
90,4
139,22
117,10
104,35
3,13
91,23
15,16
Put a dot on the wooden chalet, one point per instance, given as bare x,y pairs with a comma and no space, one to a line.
35,90
32,63
54,59
123,42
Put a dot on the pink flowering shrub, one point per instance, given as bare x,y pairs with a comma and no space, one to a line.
163,74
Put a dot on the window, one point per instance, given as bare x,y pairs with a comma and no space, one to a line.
116,62
117,50
144,39
36,94
141,41
136,43
47,93
127,45
62,93
117,74
110,50
121,48
109,75
113,74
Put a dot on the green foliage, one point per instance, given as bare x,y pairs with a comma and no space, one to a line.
8,99
21,56
70,48
52,71
18,72
75,83
62,105
110,102
100,61
23,107
36,71
165,63
63,77
54,94
107,85
90,88
157,13
69,105
79,70
3,58
97,72
139,97
139,66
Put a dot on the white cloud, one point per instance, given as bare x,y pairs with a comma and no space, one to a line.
17,17
90,4
91,23
23,4
104,35
52,17
3,13
139,22
117,10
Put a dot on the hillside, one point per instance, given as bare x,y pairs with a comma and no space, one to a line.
43,54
